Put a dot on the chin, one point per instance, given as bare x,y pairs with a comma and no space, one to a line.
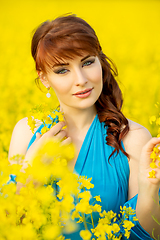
86,105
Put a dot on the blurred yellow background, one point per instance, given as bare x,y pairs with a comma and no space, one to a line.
129,32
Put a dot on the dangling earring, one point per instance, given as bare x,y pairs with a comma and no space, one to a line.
48,95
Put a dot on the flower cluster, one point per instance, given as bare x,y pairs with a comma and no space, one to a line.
114,227
43,114
138,60
137,64
48,200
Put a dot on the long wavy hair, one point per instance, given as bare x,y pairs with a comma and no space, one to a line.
69,36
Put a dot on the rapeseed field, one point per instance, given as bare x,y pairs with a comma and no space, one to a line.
129,34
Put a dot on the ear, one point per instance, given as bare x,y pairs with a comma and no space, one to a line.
43,78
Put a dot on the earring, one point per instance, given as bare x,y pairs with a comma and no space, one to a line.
48,95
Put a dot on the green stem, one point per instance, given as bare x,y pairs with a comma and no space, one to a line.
92,220
84,221
93,223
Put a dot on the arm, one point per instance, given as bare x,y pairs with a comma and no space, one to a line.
139,182
20,138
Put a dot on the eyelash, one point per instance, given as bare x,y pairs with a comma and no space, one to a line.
63,70
60,71
89,61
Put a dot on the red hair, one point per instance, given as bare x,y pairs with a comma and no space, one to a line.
70,36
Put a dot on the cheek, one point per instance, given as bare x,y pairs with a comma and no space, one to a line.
98,75
61,87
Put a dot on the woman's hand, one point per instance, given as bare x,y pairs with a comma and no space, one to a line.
147,208
145,182
55,133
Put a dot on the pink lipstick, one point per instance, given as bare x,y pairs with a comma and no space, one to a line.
83,94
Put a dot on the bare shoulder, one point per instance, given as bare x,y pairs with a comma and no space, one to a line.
20,138
135,139
136,126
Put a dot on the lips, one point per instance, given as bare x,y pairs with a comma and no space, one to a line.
83,92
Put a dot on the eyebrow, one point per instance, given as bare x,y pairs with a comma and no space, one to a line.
66,64
59,64
85,58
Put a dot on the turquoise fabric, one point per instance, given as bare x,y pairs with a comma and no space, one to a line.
110,178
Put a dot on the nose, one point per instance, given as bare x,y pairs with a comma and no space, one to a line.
80,77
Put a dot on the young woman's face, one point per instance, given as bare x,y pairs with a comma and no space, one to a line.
78,82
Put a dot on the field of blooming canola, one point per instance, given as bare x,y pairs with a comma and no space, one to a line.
128,32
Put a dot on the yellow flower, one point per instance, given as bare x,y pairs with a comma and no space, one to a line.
51,232
108,215
153,165
80,220
53,115
127,224
75,214
83,207
98,199
152,119
135,219
153,155
152,174
85,234
60,116
31,123
44,130
85,183
108,229
86,195
48,120
158,121
155,149
68,203
115,228
99,231
127,234
96,208
70,227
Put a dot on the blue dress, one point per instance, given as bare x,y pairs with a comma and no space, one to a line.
110,179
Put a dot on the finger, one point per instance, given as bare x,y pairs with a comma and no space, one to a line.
66,141
60,135
157,164
38,135
151,144
56,129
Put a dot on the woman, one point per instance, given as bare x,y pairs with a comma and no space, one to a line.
69,59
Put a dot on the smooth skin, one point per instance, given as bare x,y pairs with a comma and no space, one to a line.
77,75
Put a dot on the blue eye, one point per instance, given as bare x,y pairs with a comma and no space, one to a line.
89,62
61,71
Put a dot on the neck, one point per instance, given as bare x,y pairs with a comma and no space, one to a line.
78,120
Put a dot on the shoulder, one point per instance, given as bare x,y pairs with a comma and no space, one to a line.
136,138
20,138
22,128
134,141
